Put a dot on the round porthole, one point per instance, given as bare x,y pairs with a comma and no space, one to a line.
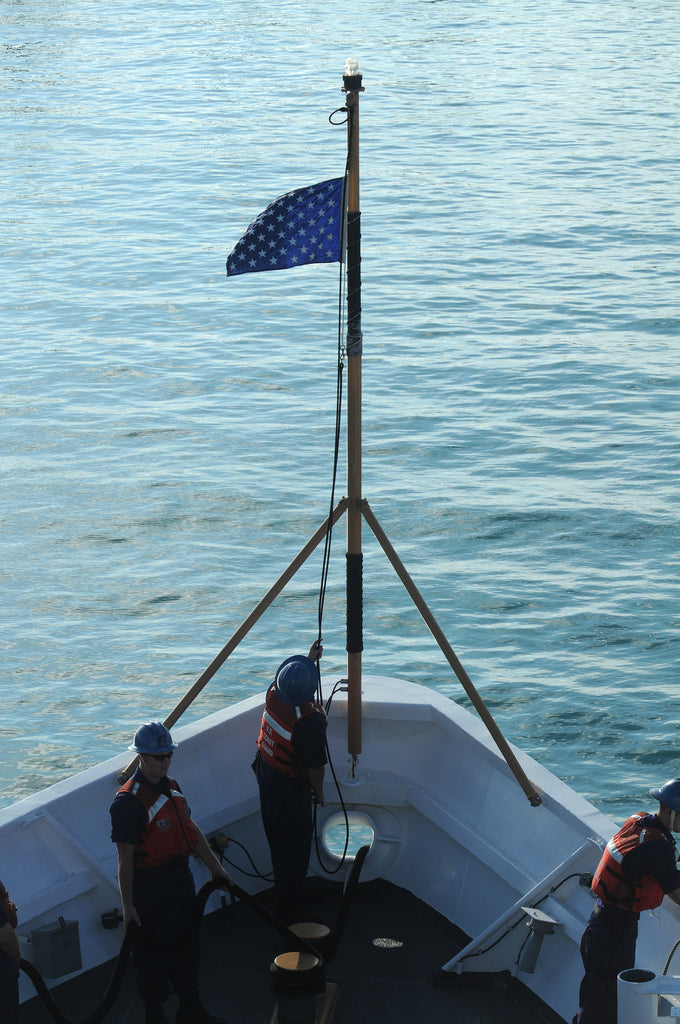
380,830
356,830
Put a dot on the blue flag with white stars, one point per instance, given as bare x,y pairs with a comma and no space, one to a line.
304,226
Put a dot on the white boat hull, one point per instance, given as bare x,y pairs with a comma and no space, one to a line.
451,825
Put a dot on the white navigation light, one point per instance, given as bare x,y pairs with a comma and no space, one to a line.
351,66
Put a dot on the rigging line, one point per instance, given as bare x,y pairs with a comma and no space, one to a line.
510,928
220,853
338,406
329,532
338,419
326,560
343,858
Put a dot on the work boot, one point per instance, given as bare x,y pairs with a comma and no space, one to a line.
192,1011
155,1014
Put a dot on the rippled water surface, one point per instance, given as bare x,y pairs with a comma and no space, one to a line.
168,434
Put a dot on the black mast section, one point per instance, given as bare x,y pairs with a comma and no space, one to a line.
352,87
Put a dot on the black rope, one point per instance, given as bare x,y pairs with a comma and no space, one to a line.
116,980
131,934
329,949
670,957
112,989
338,425
266,876
329,532
340,110
340,864
510,928
272,919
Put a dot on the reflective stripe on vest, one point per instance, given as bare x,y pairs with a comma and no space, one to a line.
277,727
612,884
275,741
170,833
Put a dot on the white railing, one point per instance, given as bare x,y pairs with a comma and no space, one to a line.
457,963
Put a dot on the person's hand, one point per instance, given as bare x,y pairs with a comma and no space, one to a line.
12,913
130,916
315,651
224,875
9,907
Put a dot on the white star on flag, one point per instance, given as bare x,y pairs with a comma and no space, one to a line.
303,226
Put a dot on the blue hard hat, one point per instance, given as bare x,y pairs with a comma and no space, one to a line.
669,794
152,738
296,680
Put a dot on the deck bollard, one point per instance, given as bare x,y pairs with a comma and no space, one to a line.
297,979
637,993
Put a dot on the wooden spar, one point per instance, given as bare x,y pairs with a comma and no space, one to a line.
357,508
352,87
532,794
245,627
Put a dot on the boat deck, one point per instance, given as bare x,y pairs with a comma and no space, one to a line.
386,969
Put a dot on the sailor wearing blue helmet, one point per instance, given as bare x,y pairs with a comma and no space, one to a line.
155,834
638,868
289,766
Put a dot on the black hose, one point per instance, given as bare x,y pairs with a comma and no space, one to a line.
206,890
112,989
330,946
272,920
115,982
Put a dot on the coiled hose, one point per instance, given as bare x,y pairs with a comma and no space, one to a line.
116,980
206,890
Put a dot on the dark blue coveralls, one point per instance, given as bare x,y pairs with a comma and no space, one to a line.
286,807
166,955
608,943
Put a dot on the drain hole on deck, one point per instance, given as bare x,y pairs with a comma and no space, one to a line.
335,833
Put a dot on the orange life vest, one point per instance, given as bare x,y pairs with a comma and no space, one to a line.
612,884
275,741
170,833
8,906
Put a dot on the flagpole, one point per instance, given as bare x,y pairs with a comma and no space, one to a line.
352,87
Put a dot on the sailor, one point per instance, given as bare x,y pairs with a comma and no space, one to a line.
638,868
155,835
289,766
10,957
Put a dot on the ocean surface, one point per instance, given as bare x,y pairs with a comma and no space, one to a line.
167,433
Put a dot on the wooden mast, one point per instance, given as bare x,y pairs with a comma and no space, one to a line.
352,87
357,508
